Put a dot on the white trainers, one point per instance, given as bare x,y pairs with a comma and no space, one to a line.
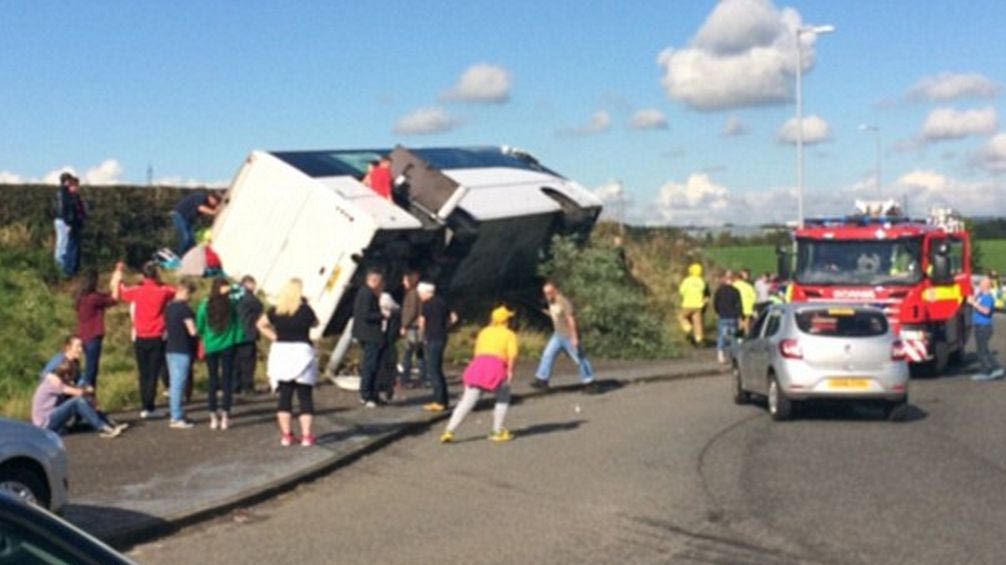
149,415
181,425
110,432
998,373
214,422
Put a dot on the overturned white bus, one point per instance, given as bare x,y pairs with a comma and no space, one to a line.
470,219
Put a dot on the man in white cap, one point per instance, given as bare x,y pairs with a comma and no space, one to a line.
434,320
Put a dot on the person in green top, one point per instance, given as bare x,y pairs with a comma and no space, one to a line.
218,327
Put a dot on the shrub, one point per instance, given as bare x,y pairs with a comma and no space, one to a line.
615,315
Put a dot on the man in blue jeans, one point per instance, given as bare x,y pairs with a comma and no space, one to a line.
983,305
729,311
565,337
185,214
73,350
434,321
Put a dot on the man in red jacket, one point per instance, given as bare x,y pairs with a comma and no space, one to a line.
148,299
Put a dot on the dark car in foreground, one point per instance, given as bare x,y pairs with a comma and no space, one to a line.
30,535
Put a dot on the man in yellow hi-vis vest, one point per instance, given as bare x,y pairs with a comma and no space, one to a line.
748,297
694,296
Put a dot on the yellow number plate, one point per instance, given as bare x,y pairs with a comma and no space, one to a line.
847,383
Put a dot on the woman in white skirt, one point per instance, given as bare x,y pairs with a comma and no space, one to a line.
292,365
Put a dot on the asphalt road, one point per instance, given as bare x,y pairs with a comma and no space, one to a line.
652,473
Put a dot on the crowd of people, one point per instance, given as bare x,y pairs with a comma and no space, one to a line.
736,300
169,335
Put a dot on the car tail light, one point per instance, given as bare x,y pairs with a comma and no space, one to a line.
898,352
790,349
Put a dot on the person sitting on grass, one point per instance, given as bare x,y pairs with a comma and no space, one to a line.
491,370
49,412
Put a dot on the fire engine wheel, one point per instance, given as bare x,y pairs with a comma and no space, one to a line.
779,407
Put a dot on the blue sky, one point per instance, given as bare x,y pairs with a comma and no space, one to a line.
107,87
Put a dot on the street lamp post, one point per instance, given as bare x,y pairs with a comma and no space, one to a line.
876,136
799,33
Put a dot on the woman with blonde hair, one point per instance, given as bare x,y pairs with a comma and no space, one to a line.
491,370
292,366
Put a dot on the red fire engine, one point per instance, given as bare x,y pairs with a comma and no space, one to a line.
917,270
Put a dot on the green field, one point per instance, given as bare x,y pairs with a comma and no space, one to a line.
761,258
758,258
993,254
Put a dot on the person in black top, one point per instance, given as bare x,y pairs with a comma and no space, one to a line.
74,212
367,322
436,317
185,214
293,366
729,309
179,347
249,309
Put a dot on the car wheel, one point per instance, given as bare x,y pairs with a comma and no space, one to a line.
741,396
25,484
896,411
779,407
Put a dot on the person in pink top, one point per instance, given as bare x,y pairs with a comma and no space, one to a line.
148,300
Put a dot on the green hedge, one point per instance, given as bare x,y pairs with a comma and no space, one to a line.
124,222
616,316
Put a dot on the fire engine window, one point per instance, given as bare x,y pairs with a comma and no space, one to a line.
860,262
955,253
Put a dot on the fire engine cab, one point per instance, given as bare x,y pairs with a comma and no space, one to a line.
917,270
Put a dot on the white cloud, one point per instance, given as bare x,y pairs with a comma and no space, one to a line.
743,55
815,130
7,177
928,188
648,118
734,126
992,156
948,86
600,121
426,121
950,123
698,200
611,191
182,182
107,172
481,82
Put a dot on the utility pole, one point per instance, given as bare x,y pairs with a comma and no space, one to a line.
150,174
798,34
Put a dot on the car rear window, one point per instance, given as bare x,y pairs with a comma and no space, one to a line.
841,322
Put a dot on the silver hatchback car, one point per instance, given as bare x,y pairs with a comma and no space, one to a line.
32,464
797,352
